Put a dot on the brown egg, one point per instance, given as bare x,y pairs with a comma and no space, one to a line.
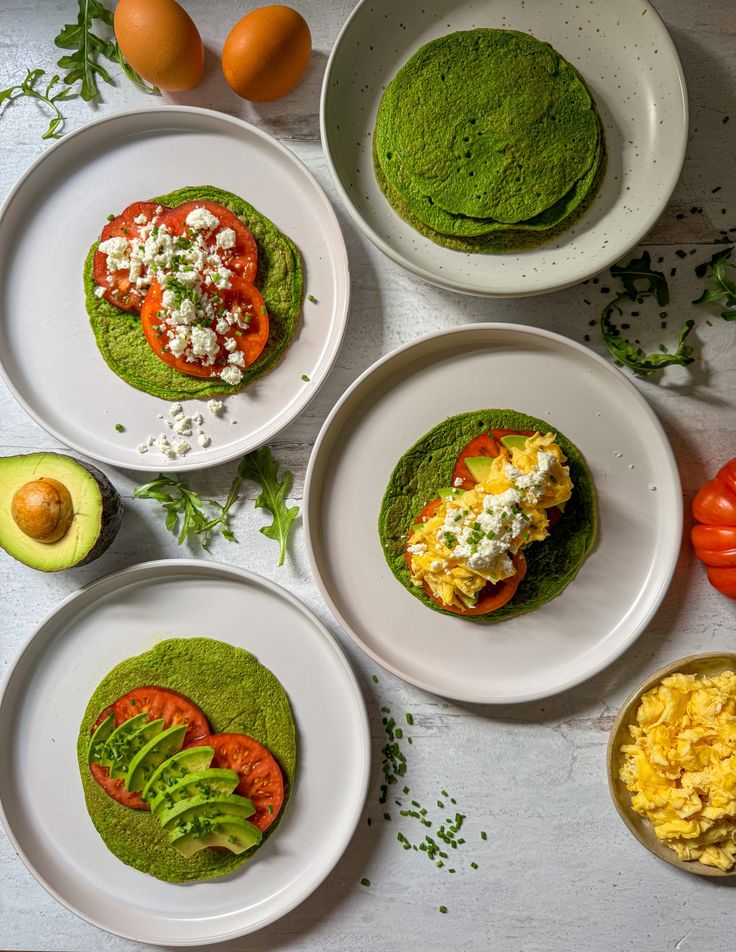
266,53
159,40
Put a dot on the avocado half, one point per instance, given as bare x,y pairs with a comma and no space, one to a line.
56,512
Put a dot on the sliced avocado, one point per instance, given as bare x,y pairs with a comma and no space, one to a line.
154,753
447,492
97,740
191,760
231,832
480,467
514,441
203,806
55,511
114,750
211,782
469,602
134,743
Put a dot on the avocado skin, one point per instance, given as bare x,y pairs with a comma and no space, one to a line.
112,508
429,463
237,694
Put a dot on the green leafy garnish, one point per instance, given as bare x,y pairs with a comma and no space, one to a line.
47,96
640,282
186,511
260,467
722,289
83,62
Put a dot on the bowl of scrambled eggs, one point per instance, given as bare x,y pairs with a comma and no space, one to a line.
672,764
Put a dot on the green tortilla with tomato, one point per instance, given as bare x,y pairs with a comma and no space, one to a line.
181,307
489,515
204,737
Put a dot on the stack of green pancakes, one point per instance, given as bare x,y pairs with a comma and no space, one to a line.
488,140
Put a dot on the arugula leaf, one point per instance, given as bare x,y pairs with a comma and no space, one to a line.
82,64
641,363
134,77
641,282
638,270
260,467
722,288
185,510
28,88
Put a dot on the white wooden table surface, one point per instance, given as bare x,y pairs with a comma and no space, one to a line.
559,871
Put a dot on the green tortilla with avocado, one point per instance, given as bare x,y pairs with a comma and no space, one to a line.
484,132
428,465
279,279
237,694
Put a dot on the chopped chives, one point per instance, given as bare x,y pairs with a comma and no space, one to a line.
365,882
443,909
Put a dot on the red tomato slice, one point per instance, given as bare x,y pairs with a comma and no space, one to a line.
118,289
242,258
727,475
715,504
724,579
249,342
157,703
492,596
261,780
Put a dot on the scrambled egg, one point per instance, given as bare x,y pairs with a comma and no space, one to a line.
681,766
470,539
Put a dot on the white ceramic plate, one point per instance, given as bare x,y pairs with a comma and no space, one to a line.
621,583
48,355
44,699
628,60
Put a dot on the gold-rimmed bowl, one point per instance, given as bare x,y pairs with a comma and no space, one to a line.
706,664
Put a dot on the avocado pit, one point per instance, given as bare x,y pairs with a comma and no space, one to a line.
43,509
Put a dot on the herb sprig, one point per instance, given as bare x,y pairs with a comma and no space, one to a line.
640,281
260,467
29,88
722,289
87,47
186,512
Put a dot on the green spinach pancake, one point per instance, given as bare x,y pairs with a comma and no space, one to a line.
228,703
489,515
120,335
488,139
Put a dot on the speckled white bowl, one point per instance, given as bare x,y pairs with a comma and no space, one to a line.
628,60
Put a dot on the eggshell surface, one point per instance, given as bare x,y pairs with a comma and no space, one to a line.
161,42
266,53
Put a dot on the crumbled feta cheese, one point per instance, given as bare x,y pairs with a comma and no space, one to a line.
162,444
418,549
140,219
204,342
203,440
118,253
222,326
231,375
225,238
200,219
458,481
175,409
99,292
183,426
181,447
142,447
236,358
215,407
197,419
151,440
230,344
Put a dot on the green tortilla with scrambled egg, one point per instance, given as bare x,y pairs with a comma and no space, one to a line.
428,465
237,694
279,279
487,132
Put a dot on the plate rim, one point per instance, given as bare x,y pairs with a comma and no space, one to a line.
167,567
310,492
342,266
468,288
